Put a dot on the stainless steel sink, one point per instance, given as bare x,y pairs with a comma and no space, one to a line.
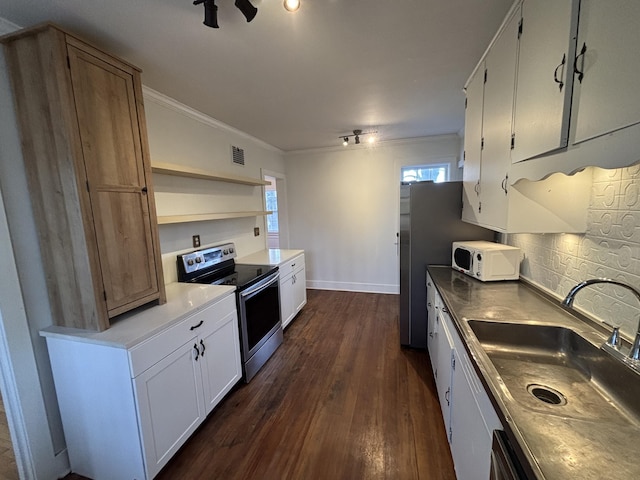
553,370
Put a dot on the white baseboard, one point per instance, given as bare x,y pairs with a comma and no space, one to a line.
353,287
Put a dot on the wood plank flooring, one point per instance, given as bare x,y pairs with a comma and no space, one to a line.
338,400
8,468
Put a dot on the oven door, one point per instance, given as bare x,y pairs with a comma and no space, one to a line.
259,309
504,465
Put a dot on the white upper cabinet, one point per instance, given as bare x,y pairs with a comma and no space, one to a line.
500,67
545,77
574,102
473,145
607,68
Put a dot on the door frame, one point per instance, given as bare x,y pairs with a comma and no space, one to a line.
283,214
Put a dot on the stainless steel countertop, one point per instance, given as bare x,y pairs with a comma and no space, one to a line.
550,447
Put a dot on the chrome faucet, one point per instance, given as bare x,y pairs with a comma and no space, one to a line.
614,339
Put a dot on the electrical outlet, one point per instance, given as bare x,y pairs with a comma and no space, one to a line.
256,231
196,241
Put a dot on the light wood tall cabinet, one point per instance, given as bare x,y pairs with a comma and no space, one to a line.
85,149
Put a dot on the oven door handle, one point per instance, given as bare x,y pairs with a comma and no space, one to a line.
264,283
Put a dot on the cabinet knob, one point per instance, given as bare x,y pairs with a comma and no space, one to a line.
144,189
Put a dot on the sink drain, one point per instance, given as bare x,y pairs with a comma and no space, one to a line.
547,394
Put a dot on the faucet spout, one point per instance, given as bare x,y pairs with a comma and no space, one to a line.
634,353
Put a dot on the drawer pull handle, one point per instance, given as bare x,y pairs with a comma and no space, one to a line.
195,347
197,326
203,349
446,395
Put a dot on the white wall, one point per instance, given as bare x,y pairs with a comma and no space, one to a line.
343,209
610,248
24,307
181,135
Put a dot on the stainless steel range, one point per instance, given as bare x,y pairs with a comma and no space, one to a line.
257,299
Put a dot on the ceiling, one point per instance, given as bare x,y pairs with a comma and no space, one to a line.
296,80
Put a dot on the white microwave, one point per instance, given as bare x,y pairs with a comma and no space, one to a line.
486,261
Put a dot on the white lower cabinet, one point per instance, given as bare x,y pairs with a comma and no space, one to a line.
293,288
468,414
126,412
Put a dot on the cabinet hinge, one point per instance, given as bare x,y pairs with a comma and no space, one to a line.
464,155
520,28
453,363
450,435
485,75
482,143
466,100
513,141
104,293
479,207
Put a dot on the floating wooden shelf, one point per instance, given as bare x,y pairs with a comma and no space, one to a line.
182,171
203,217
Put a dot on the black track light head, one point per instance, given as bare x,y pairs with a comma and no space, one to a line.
210,12
248,10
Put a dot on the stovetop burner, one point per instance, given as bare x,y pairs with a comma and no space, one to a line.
216,266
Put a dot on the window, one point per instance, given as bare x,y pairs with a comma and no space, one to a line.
421,173
271,203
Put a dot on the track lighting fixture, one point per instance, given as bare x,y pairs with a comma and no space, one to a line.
211,11
356,137
291,5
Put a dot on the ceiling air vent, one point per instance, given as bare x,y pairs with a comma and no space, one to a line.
237,155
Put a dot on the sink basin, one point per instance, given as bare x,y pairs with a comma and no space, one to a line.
553,370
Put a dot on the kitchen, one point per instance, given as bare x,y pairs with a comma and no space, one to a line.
308,174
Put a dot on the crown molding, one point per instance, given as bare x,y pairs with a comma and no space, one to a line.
166,101
7,27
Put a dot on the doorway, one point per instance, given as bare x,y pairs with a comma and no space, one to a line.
275,201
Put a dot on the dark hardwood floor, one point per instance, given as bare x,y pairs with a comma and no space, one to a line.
340,399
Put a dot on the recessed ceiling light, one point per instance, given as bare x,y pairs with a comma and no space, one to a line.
291,5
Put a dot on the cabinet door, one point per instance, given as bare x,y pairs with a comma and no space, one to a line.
170,404
470,437
605,99
299,290
287,308
443,371
473,146
108,121
220,358
431,313
545,78
498,109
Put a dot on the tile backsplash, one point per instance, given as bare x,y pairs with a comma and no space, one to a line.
610,248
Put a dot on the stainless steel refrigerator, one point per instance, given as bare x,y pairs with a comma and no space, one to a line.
429,223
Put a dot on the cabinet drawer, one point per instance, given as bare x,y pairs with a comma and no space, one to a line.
164,343
293,265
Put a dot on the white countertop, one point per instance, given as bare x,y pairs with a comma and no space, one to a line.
130,329
272,256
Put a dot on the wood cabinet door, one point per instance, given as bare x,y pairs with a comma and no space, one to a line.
108,122
170,405
219,359
605,97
